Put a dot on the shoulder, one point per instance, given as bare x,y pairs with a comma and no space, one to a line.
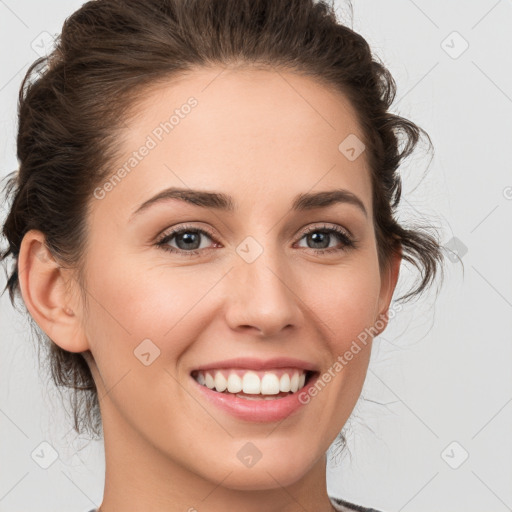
345,506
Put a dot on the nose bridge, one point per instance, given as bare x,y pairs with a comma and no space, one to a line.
261,288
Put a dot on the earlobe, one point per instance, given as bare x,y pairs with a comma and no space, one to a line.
43,285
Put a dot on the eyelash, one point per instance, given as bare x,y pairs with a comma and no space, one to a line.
348,242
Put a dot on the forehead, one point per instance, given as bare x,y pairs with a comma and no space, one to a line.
259,134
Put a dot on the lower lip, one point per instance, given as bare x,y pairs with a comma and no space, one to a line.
260,410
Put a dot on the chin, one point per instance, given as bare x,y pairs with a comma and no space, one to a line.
277,471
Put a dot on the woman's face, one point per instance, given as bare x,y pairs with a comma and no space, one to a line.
268,281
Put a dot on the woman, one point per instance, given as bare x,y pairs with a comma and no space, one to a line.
202,226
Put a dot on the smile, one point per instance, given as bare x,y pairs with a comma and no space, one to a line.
255,390
256,385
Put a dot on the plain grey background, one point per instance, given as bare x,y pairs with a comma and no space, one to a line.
432,430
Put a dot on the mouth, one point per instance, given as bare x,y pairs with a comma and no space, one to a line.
248,384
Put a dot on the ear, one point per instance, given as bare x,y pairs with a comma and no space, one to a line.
389,279
44,286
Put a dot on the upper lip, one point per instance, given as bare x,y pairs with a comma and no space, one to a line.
252,363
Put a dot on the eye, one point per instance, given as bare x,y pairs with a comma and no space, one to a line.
188,240
321,237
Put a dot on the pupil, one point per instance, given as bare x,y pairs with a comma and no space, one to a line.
315,235
188,238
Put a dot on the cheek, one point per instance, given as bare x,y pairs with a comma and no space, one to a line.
130,303
141,320
346,307
344,301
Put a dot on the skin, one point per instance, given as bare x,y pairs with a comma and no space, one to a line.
262,137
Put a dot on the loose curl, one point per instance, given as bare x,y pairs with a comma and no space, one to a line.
74,102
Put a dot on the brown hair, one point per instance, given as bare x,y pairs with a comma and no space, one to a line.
74,102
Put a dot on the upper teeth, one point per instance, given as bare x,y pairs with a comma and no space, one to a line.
265,383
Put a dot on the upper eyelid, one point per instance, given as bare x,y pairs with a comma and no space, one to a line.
327,226
175,231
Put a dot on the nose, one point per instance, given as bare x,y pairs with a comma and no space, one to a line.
261,297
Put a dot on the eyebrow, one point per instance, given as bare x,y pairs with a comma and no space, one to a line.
223,202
